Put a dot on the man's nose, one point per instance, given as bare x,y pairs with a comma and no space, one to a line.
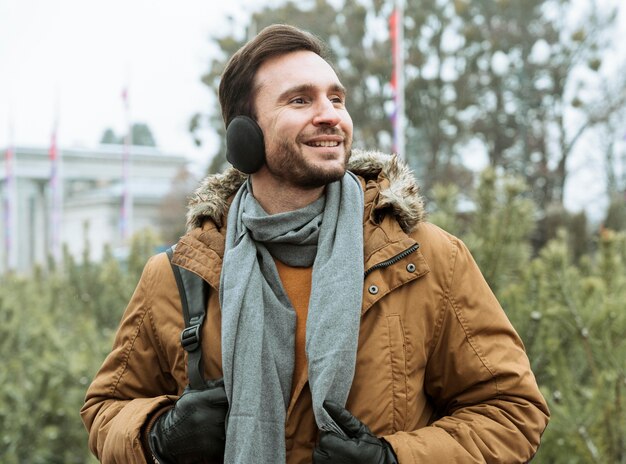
326,114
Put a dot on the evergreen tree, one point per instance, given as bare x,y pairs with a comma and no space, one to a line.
572,320
496,223
55,330
141,136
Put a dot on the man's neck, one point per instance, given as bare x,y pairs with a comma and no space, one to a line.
277,198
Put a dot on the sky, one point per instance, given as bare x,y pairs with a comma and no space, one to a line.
69,60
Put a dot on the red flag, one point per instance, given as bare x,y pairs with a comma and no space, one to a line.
396,36
52,151
55,197
393,36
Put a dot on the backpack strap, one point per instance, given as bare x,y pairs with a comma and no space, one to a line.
194,293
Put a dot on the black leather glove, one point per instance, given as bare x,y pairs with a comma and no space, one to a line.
193,431
360,447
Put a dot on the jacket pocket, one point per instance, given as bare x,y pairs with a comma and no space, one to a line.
398,358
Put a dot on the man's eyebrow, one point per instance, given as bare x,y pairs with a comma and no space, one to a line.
306,88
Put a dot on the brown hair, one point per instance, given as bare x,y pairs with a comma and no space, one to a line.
236,92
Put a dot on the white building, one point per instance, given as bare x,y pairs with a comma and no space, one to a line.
91,199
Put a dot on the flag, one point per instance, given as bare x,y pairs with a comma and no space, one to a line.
125,96
55,196
396,36
393,36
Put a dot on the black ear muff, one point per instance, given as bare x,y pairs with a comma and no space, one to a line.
245,148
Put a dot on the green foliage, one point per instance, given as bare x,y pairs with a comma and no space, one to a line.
141,135
616,214
108,137
500,228
446,216
496,225
504,75
55,330
573,322
56,327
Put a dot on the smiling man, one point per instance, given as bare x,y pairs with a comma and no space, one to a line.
300,107
340,327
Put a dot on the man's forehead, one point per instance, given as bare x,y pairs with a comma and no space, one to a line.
302,68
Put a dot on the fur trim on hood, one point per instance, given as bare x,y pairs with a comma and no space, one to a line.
212,199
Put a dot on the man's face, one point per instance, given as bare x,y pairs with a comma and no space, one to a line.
300,107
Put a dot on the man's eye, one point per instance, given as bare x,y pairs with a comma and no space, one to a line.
338,100
298,101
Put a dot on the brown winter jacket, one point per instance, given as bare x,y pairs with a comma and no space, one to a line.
440,372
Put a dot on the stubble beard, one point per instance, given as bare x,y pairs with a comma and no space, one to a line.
290,164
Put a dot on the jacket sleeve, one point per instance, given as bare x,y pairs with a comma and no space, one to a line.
134,381
478,376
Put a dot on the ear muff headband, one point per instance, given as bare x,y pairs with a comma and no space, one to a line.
245,148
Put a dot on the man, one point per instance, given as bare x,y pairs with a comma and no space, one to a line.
341,327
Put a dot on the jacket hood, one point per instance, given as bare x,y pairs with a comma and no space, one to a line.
400,195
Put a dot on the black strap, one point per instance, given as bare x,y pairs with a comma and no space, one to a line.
194,293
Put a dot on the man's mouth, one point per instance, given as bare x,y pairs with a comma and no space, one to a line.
323,143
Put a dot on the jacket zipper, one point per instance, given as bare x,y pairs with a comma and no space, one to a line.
394,260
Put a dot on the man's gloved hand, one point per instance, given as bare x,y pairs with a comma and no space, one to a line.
193,431
361,446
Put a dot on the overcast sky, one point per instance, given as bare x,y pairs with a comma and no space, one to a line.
71,59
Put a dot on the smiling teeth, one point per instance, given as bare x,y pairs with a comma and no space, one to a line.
325,143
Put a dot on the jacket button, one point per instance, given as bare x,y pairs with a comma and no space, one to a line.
373,289
410,267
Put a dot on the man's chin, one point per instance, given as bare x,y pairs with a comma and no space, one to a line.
320,177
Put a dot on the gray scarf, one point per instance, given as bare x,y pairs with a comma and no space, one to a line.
258,321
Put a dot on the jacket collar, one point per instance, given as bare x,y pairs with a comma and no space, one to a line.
399,193
393,204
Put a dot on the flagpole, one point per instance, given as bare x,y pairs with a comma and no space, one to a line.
127,199
397,37
56,191
10,210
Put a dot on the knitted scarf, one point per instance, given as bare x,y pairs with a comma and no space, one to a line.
258,321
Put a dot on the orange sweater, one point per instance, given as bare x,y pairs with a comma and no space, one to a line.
297,284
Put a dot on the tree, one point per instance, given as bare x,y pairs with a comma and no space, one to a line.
55,330
616,213
521,80
521,77
538,88
612,141
495,223
572,322
56,327
141,135
109,137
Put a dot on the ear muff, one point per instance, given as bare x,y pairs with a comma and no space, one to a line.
245,148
